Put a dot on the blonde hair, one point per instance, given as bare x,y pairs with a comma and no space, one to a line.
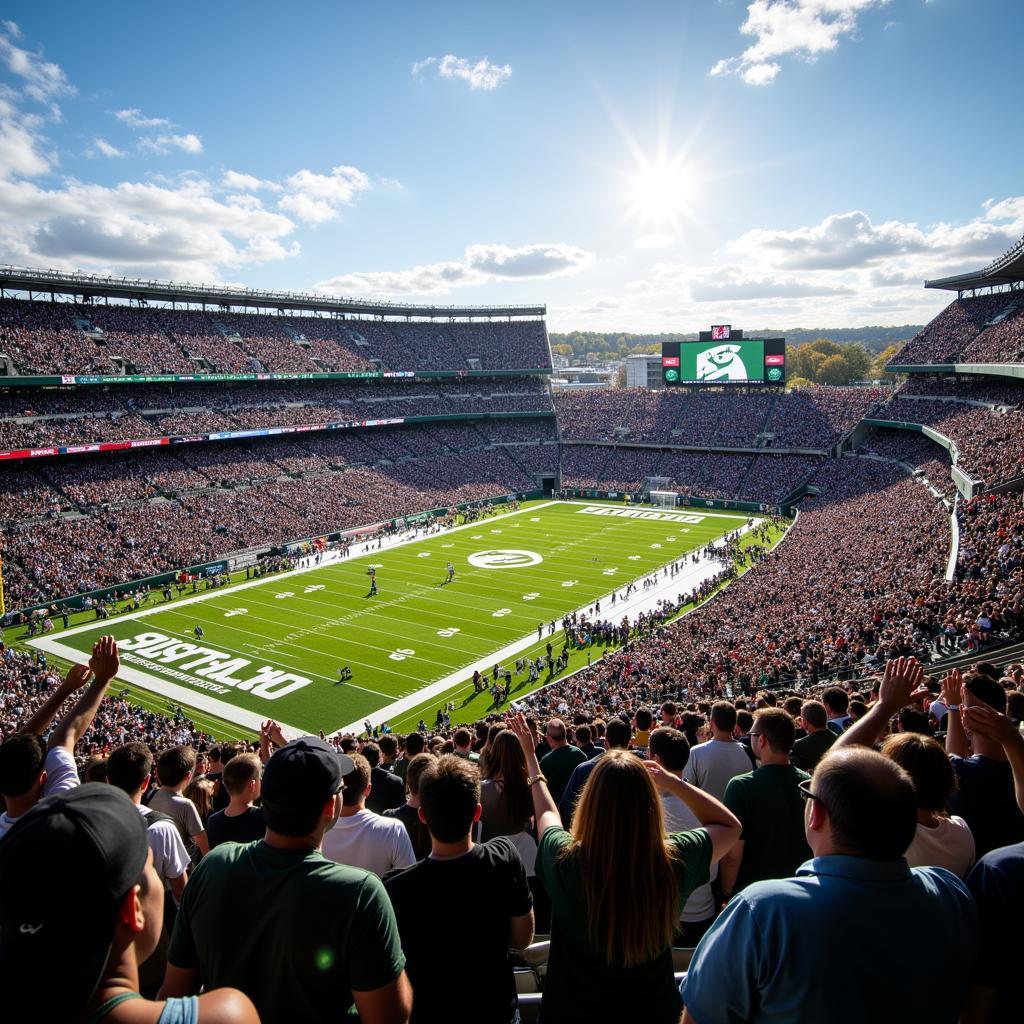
618,833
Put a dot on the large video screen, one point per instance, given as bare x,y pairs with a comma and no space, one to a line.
748,361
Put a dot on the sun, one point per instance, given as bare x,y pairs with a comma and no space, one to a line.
661,192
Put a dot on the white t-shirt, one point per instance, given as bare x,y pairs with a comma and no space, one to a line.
370,841
61,775
679,818
949,845
170,858
713,764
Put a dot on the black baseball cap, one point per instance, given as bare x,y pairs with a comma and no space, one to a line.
303,775
65,866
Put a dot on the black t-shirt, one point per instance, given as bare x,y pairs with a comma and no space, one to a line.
419,835
472,961
386,791
240,828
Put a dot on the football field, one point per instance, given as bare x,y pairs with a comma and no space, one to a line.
272,648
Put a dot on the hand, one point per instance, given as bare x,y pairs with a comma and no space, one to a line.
104,661
902,684
952,688
275,734
518,727
76,678
661,778
988,722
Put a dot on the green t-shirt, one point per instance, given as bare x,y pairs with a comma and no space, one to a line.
294,931
557,767
768,803
580,984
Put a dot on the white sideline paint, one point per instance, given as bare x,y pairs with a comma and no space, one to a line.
643,600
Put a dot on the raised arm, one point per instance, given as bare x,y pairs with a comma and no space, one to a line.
952,694
902,685
986,721
545,810
723,826
104,664
40,721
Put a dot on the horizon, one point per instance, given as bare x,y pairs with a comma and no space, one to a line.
642,172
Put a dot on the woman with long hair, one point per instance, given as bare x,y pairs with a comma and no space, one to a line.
617,885
504,791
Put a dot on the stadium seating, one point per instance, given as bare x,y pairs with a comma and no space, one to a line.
983,329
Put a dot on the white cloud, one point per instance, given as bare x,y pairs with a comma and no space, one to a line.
188,143
240,182
480,264
478,74
43,79
100,147
22,152
316,198
134,118
782,28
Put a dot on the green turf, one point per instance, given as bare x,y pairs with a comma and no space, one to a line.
415,631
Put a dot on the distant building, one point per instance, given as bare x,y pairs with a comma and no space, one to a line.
644,371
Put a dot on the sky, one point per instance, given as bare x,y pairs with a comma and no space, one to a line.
637,166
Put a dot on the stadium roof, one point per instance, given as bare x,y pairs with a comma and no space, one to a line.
91,286
1007,269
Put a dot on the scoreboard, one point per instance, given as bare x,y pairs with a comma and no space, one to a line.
724,356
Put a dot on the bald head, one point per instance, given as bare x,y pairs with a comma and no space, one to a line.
870,803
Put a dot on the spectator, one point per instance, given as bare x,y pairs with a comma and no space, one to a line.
308,939
810,749
767,803
997,884
585,741
671,752
240,821
488,877
505,796
610,941
618,736
941,840
415,743
463,745
713,764
94,841
860,817
386,790
362,838
558,765
837,704
985,796
408,813
174,769
30,768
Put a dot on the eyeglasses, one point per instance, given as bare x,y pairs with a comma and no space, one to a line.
805,791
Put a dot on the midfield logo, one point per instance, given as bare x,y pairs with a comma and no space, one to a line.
504,558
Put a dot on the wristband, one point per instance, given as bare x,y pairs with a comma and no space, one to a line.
952,707
536,778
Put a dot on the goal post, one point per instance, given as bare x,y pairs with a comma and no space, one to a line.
664,499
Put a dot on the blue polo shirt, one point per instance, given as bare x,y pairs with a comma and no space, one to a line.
774,953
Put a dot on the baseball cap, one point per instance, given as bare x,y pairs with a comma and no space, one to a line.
303,775
64,868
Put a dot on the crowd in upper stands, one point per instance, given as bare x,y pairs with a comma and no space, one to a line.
61,337
983,329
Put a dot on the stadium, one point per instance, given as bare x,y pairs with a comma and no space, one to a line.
376,619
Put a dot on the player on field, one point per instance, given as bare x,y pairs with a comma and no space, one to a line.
372,573
344,674
198,632
451,572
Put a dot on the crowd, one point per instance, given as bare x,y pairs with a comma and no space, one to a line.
813,417
990,443
52,338
983,329
30,419
281,880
